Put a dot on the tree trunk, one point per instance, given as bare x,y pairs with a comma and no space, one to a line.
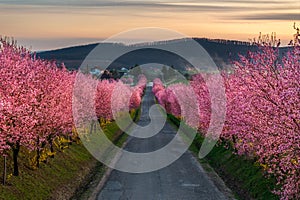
92,127
4,171
16,150
38,153
51,148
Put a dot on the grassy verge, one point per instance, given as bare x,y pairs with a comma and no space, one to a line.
64,171
62,176
243,176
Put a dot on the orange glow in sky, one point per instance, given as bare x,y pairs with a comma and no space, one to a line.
49,24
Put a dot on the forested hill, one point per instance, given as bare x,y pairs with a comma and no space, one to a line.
222,52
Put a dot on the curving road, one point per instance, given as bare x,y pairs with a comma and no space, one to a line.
184,179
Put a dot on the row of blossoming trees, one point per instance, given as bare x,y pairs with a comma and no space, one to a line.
263,112
36,102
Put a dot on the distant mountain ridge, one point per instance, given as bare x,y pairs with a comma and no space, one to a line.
223,52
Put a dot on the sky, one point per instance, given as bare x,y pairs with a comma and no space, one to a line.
52,24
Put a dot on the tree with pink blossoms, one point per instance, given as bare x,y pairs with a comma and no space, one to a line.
35,101
17,96
263,115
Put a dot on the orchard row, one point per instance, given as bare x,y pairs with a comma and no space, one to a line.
36,101
262,102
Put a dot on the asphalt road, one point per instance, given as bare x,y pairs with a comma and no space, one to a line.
184,179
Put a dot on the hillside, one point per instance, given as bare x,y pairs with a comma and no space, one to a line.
221,51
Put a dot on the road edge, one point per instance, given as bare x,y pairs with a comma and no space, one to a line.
208,170
108,170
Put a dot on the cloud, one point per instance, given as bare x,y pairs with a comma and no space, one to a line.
229,5
159,8
270,16
257,1
100,2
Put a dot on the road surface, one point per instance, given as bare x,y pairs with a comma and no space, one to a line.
184,179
